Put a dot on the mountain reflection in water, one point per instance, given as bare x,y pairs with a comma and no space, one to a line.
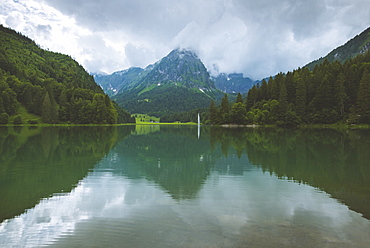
162,186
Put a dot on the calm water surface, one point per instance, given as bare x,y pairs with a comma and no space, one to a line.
167,186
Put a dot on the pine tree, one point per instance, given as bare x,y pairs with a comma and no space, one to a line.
300,101
239,98
46,109
225,109
251,97
363,98
273,89
49,110
2,109
340,94
263,92
63,106
283,106
214,113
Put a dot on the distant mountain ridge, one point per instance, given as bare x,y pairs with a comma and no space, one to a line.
114,83
233,83
178,82
355,46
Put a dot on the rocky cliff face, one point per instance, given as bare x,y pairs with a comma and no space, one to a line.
181,68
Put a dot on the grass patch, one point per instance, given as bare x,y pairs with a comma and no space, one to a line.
144,118
147,89
27,117
165,123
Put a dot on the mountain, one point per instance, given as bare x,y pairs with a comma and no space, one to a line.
118,81
357,45
38,85
178,82
233,83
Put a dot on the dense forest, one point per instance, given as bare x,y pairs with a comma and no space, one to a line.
50,85
161,101
331,93
188,116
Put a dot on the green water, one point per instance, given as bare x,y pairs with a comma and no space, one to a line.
169,186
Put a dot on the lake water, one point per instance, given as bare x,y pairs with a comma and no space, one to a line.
177,186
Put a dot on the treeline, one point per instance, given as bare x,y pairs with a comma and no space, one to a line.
50,85
330,93
189,116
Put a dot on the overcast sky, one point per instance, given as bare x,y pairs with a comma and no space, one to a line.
257,38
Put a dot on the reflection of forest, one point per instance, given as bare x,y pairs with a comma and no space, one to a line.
173,158
37,162
331,160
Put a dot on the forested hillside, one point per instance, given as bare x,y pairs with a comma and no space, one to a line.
50,85
332,92
355,46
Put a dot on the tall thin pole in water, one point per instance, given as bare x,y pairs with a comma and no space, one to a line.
198,125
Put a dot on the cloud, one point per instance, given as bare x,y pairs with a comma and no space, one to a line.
257,38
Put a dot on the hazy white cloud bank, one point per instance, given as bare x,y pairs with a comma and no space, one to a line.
258,38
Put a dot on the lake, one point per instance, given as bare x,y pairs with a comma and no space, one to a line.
184,186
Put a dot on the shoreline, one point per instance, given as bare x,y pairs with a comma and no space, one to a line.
323,126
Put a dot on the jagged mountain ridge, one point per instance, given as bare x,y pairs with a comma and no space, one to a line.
180,68
233,83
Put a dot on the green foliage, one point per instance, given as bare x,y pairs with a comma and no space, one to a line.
227,113
239,98
18,119
4,118
188,116
331,93
123,116
49,110
163,101
225,110
215,117
177,83
362,108
238,113
33,122
50,85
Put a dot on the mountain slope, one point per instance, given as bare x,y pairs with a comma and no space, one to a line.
357,45
47,84
180,68
179,82
118,81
